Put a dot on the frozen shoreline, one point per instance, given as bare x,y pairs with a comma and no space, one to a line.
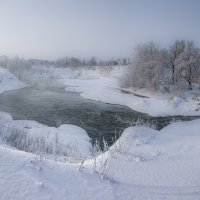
95,86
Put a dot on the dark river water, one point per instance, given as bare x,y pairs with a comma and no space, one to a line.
55,106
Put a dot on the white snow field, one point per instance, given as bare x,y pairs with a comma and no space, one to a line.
167,158
142,164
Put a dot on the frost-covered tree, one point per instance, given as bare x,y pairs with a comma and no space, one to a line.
150,67
74,62
175,50
188,64
164,69
92,62
144,65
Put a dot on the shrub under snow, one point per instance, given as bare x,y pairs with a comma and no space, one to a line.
66,140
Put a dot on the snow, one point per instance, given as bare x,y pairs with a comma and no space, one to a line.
105,87
94,85
25,176
156,164
142,164
102,86
8,81
168,158
67,140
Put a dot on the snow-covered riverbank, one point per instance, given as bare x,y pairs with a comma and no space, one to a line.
96,85
67,141
142,164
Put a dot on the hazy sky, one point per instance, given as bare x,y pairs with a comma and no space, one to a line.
103,28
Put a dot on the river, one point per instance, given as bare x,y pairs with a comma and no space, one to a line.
54,106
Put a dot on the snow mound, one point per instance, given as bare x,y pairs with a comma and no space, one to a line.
8,81
67,140
168,158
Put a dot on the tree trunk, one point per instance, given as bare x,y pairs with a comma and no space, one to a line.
173,70
190,85
189,79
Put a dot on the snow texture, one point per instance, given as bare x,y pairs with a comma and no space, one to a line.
142,164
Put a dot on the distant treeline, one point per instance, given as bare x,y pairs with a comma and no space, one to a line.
63,62
76,62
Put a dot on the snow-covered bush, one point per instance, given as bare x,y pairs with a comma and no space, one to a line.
138,122
67,140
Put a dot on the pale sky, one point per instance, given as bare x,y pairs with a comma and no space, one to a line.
103,28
